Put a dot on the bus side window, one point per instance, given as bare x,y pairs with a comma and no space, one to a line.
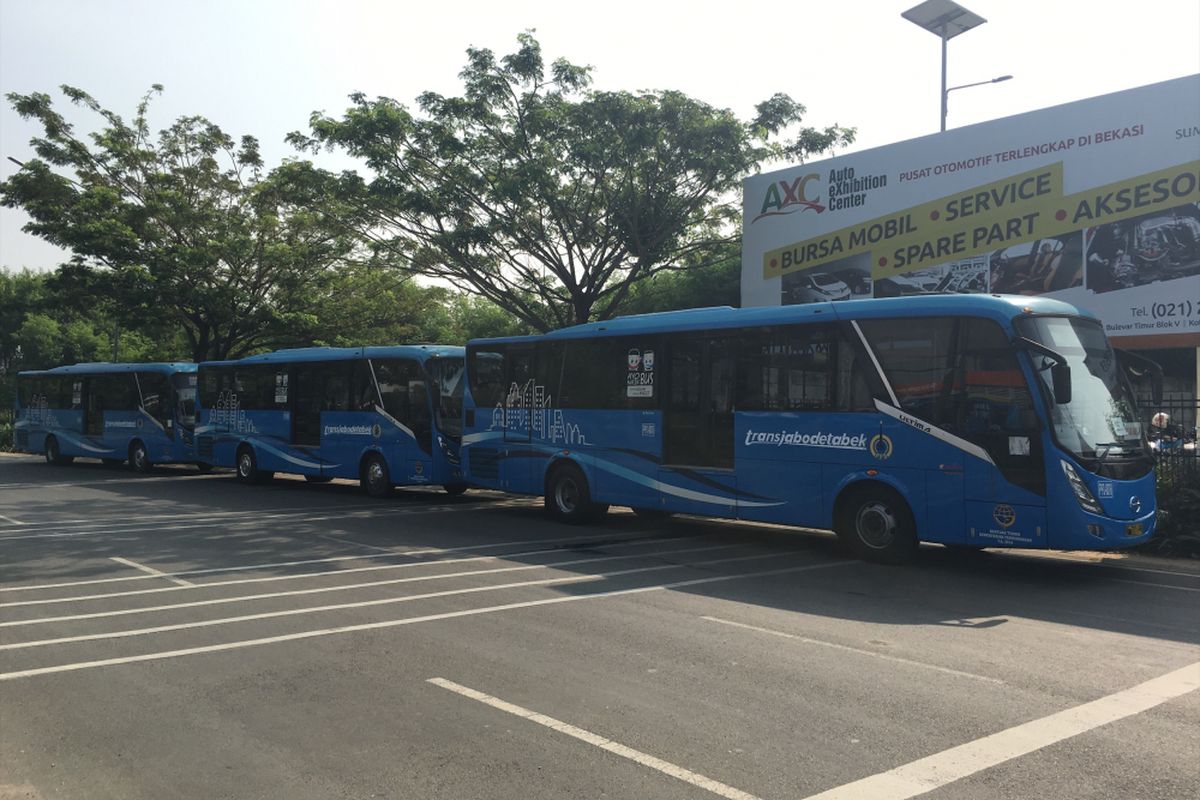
156,396
857,382
487,377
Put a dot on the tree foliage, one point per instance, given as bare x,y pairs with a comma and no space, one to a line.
549,199
184,224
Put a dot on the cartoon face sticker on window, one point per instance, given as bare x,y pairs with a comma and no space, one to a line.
648,361
635,358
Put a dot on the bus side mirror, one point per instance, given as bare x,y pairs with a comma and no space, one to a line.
1060,376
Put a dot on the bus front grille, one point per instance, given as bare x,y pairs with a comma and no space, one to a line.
204,446
484,463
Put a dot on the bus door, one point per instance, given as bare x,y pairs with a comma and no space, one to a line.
308,395
698,425
520,401
93,408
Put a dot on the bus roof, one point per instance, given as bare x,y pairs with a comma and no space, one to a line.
421,352
107,367
999,307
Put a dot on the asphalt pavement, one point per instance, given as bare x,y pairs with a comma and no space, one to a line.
182,636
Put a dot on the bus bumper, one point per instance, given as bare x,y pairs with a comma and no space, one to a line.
1094,532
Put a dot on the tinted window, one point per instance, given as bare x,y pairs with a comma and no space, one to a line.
156,395
787,369
486,376
917,357
405,396
114,392
857,381
447,377
609,373
185,397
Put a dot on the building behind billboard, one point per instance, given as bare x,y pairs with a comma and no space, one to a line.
1095,202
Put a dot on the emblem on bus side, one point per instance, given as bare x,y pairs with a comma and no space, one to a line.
1004,515
881,447
376,431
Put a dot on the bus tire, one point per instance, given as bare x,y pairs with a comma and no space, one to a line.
454,489
139,459
54,454
246,468
374,476
568,498
875,523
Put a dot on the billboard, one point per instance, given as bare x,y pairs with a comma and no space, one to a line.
1095,202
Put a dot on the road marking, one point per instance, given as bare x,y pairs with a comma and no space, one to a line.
632,542
233,524
848,649
342,587
340,540
291,612
1157,585
393,623
153,572
948,766
11,520
616,748
67,485
194,515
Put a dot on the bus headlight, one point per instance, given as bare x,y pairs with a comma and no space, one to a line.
1082,493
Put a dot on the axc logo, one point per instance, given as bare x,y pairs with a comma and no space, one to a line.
788,197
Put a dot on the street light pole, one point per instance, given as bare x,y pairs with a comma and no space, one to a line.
945,19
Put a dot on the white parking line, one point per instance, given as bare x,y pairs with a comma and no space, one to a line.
238,523
143,518
616,748
151,571
1157,585
948,766
848,649
392,623
633,542
385,601
346,587
11,520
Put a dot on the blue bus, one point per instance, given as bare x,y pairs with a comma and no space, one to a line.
382,415
140,413
970,420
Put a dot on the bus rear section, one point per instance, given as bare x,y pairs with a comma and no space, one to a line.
889,421
134,413
384,416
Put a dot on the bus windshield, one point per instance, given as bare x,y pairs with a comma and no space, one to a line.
1100,421
446,374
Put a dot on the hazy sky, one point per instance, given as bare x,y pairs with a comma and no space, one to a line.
262,66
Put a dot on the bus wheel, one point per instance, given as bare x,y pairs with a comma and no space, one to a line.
568,498
375,479
247,466
454,489
876,524
139,459
54,453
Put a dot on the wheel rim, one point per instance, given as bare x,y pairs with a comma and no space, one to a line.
244,465
52,450
876,525
566,495
375,473
139,457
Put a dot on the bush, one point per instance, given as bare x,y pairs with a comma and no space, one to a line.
6,436
1179,510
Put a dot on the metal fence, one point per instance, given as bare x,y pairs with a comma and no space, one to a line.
1171,427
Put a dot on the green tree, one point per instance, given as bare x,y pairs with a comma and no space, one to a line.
40,342
545,198
184,224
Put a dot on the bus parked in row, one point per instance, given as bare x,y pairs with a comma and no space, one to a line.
140,413
385,416
972,420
